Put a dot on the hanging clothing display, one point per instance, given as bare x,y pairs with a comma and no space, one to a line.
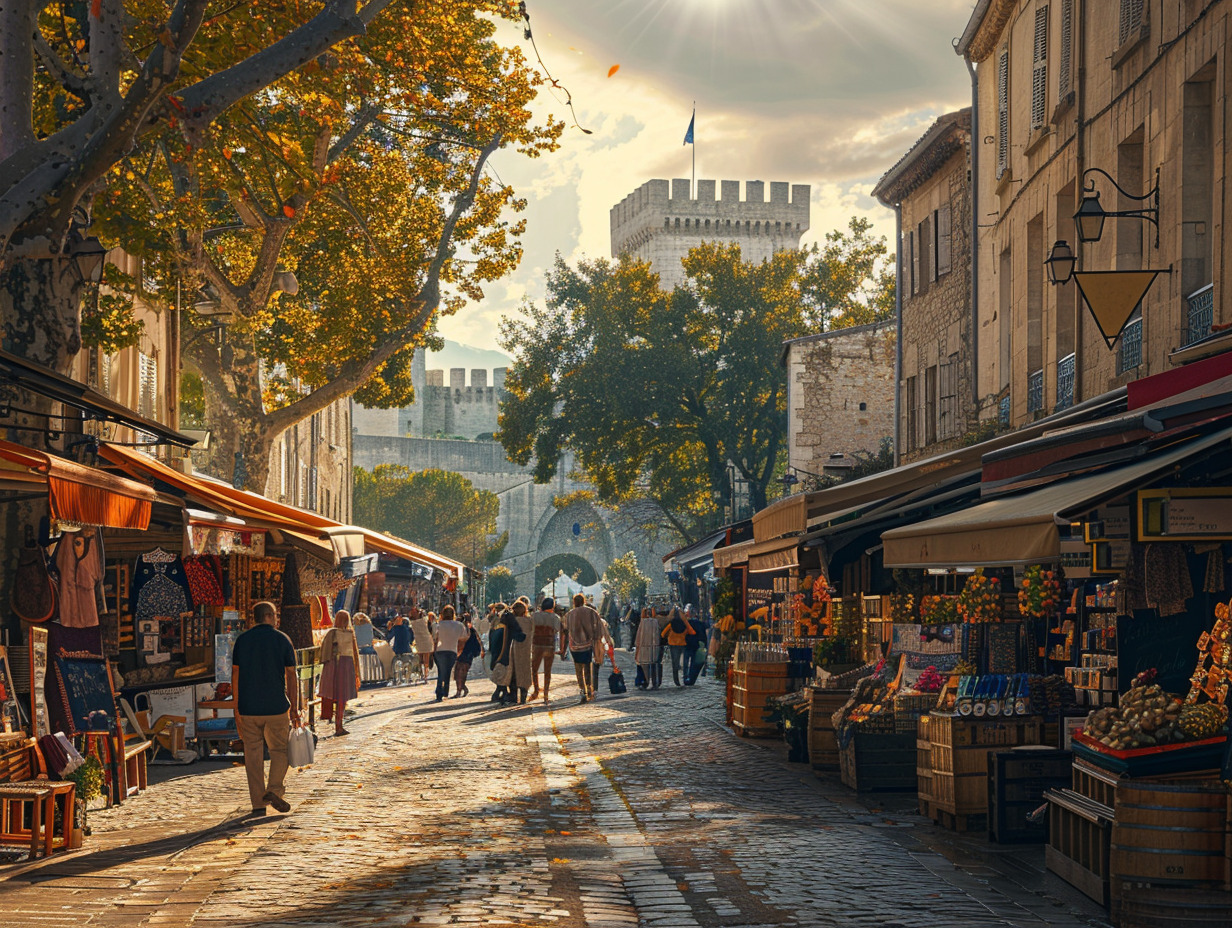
79,562
204,572
159,586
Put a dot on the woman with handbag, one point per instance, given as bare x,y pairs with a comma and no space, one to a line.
339,670
470,648
517,651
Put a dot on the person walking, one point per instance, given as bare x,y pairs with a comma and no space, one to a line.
648,649
265,689
449,636
423,639
677,632
545,637
496,650
471,648
399,641
339,670
582,631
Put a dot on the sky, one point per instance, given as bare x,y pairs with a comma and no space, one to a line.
829,93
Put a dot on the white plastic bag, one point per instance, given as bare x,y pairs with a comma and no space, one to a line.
300,747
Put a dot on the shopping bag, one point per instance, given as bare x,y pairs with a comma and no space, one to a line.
300,747
501,674
616,683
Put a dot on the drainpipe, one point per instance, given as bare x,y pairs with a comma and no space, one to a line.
973,193
898,333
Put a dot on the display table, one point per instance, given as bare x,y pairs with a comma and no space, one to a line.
215,731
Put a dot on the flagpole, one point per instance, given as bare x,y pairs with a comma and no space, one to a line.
693,181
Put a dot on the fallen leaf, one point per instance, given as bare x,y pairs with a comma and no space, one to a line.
613,69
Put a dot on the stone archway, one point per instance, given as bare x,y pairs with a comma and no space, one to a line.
574,539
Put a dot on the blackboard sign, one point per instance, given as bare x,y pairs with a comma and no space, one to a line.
1170,645
86,690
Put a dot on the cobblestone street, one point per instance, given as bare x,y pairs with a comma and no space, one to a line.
634,810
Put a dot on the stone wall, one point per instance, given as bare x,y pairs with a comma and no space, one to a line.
659,222
840,394
444,407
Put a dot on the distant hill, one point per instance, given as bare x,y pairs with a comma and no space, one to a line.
455,354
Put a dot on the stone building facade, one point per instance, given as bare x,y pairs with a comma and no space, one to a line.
311,465
659,222
456,409
930,191
840,394
1138,90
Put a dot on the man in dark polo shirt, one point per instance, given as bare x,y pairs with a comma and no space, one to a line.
266,694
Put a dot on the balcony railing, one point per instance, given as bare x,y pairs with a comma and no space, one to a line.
1201,314
1065,382
1130,354
1035,391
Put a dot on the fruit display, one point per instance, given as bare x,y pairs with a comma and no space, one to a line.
1040,594
1202,721
929,680
1147,716
980,599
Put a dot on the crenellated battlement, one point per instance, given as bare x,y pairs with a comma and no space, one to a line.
660,220
717,201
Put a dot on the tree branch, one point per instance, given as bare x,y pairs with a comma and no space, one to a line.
59,69
17,28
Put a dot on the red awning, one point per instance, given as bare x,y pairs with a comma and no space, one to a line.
78,493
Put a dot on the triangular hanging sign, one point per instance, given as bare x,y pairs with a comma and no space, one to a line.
1112,296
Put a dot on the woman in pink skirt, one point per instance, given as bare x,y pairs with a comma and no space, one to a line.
339,670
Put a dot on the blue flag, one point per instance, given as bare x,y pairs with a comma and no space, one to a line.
688,136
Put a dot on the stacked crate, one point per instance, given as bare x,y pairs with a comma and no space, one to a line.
959,749
924,765
823,744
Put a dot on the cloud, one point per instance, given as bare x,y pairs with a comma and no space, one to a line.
829,93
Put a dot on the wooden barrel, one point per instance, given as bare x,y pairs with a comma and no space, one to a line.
1151,907
822,742
1169,835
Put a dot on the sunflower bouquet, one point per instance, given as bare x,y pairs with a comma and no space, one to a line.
1040,594
980,599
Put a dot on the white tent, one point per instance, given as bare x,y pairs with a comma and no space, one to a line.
563,588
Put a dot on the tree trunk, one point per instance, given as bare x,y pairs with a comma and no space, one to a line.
40,303
241,442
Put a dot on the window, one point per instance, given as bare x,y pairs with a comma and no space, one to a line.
1065,382
1129,353
1065,70
147,385
930,405
911,414
1035,391
1039,69
913,267
1003,112
943,258
948,426
1200,314
1132,20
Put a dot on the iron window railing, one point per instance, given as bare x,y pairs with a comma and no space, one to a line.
1065,382
1130,354
1201,314
1035,391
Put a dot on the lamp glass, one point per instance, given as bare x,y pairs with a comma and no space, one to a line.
1090,218
1060,263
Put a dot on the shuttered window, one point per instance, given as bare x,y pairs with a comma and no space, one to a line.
930,405
944,239
147,385
1039,69
914,263
928,263
1003,112
1065,70
912,444
947,426
1132,20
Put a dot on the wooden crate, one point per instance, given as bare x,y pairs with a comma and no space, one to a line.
960,732
947,759
823,743
1095,783
961,794
879,762
1017,782
1079,842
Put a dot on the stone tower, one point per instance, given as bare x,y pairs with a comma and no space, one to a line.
660,222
